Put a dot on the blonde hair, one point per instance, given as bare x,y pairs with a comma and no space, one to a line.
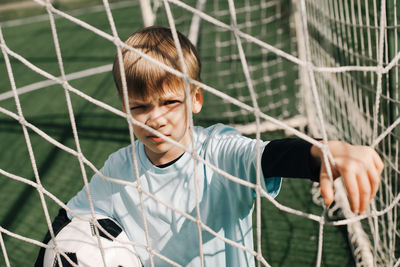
145,78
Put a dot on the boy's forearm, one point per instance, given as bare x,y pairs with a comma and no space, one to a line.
290,157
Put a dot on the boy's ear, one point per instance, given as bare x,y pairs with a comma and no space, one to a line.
197,100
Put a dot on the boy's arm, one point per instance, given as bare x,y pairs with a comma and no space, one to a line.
289,157
359,166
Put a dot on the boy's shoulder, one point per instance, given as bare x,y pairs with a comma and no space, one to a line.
121,156
216,130
214,134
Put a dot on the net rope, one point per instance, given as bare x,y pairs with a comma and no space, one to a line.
315,69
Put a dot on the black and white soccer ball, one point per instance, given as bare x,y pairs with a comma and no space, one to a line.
78,240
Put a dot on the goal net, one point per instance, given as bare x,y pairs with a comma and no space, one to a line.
353,46
314,68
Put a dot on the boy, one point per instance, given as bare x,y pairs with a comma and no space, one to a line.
157,99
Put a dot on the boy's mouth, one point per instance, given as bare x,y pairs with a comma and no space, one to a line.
156,139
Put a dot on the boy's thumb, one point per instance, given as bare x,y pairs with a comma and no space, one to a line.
326,187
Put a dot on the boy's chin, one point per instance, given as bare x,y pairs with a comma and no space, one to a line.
159,148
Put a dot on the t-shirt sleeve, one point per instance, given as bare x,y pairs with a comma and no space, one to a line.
100,193
237,155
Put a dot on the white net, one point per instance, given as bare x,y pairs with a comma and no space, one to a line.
362,106
346,54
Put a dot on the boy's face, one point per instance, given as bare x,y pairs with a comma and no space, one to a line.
166,113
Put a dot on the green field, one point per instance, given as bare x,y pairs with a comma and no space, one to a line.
287,240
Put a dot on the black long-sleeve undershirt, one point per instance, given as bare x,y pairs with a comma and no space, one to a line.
289,157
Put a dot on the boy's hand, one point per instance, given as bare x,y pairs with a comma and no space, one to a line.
360,168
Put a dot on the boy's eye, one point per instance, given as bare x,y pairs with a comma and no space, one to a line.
170,102
137,107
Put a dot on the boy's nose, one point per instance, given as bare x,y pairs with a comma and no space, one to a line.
156,118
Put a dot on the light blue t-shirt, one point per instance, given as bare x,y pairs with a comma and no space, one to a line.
225,206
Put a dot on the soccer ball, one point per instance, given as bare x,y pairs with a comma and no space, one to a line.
79,242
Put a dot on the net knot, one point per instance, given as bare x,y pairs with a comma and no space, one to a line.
22,120
39,187
80,157
380,69
65,84
117,41
257,111
139,188
48,5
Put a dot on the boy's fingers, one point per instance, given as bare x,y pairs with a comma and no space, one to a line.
378,162
326,186
375,174
364,188
374,179
351,184
326,190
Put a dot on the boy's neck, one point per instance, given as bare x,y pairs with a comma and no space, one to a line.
164,159
170,163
